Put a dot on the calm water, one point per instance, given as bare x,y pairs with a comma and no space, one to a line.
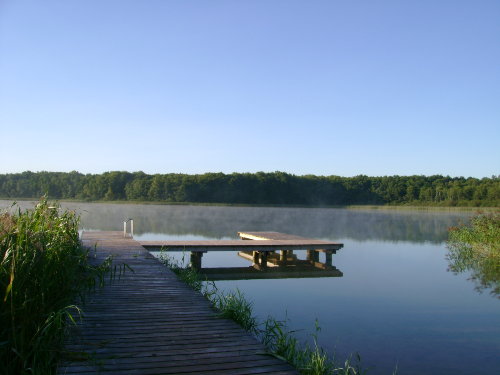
396,303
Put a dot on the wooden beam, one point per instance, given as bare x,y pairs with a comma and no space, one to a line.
238,245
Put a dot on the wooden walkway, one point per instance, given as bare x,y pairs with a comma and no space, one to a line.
148,322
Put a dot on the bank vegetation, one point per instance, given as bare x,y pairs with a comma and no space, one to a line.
475,248
43,271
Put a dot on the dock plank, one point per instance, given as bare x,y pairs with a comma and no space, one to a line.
271,236
238,245
267,241
149,322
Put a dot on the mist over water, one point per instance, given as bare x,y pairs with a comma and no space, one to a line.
216,222
219,222
395,304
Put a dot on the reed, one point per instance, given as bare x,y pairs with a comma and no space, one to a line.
308,359
184,273
234,305
43,270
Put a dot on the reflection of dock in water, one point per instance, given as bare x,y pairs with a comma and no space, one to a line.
271,253
280,272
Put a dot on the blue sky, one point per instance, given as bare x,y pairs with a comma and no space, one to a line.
307,87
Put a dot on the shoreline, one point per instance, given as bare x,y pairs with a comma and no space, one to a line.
210,204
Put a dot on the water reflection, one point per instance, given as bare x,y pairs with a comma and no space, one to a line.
284,265
224,222
395,303
484,271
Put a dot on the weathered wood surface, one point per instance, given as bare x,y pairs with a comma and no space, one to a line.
148,322
238,245
278,236
271,236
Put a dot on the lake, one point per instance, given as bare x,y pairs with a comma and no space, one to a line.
396,304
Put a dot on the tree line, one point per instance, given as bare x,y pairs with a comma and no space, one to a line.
276,188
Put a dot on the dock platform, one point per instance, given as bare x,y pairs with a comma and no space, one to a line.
264,244
149,322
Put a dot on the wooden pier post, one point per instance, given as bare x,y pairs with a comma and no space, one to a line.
263,259
312,256
255,257
328,256
283,256
196,260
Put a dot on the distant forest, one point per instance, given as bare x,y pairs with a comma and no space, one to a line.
277,188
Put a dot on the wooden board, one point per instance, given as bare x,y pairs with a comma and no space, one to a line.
148,322
271,236
238,245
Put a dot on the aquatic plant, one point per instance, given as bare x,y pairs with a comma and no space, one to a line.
308,359
43,271
233,305
187,274
475,248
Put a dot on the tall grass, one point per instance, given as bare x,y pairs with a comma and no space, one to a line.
234,306
43,270
274,334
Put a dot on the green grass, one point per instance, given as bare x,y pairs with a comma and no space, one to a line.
274,334
43,271
234,306
308,359
475,248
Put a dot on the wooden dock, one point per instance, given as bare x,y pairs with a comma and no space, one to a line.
148,322
266,243
238,245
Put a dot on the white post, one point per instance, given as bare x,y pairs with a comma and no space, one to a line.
131,227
